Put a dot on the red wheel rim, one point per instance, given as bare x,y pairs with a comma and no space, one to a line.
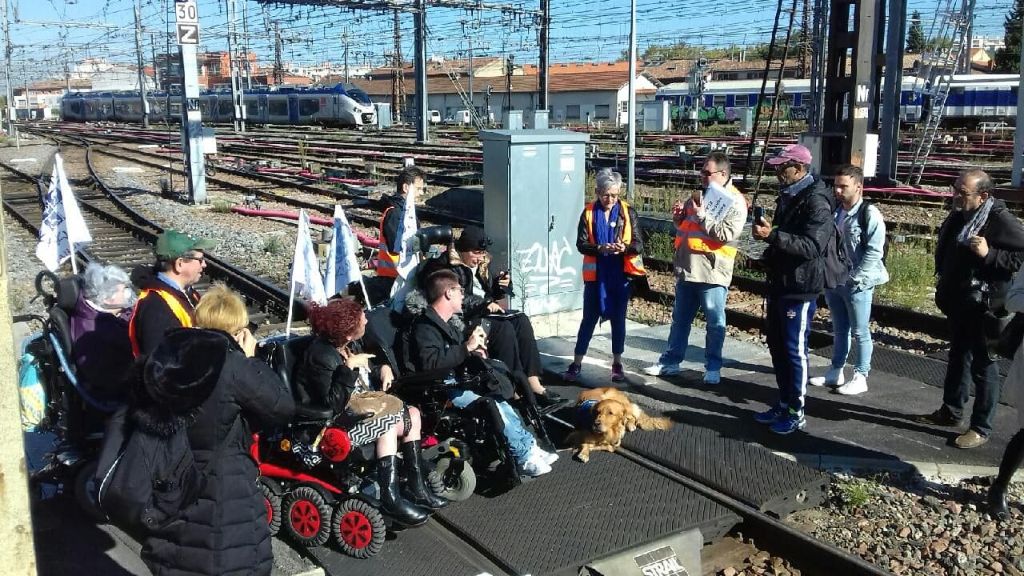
270,509
305,518
356,529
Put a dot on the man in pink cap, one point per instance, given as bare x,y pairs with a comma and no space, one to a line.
795,264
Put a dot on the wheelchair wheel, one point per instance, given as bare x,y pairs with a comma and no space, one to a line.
307,516
358,528
454,489
272,500
85,489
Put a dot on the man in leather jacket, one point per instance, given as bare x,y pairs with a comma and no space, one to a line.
980,247
795,264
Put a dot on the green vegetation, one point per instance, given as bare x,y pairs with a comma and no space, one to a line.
855,493
1008,58
915,35
221,206
660,246
911,278
273,245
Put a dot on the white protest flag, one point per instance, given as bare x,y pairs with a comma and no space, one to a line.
342,265
306,279
63,225
408,257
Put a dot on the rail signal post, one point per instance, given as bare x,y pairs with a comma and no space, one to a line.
186,18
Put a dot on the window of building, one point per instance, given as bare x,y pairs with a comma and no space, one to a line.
308,106
278,107
602,111
572,112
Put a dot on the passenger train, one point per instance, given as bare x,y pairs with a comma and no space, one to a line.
341,105
971,99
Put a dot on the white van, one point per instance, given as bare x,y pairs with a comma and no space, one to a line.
434,116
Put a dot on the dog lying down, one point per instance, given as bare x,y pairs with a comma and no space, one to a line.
603,416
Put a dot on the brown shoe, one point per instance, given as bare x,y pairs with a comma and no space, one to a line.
970,439
940,417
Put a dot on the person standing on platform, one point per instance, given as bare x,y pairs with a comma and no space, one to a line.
608,236
979,249
863,231
705,254
1013,457
411,180
795,264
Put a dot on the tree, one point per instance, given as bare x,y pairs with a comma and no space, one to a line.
915,36
1008,58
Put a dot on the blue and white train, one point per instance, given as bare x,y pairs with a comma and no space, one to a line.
972,98
341,105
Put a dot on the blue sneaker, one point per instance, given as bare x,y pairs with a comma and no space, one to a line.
789,423
771,415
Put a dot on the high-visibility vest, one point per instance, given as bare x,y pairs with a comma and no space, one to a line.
632,264
387,261
179,311
689,230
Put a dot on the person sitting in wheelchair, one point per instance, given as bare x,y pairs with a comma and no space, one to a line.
438,344
101,350
510,335
335,373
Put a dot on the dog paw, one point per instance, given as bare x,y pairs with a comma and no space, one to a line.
583,458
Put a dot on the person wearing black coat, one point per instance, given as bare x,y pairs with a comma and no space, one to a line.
979,249
202,379
795,265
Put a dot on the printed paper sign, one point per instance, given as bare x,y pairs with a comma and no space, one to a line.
717,202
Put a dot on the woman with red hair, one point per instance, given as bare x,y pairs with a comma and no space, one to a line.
336,374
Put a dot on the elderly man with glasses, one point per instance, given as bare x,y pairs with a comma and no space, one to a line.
980,247
167,300
795,265
703,263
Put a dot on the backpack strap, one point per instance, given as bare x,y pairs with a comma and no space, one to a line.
862,221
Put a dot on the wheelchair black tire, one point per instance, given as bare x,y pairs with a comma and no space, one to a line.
272,500
358,528
306,515
462,488
83,490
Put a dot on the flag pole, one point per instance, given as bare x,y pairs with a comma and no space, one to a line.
74,264
291,304
366,296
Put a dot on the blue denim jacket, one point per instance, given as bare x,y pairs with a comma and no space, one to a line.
868,269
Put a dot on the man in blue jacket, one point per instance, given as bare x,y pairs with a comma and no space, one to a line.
795,264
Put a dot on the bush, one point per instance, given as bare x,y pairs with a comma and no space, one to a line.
855,493
273,245
221,206
911,278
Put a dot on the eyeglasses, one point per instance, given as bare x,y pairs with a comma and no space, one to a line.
460,289
201,258
608,195
706,173
962,192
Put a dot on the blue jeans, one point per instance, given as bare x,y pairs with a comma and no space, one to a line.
519,438
690,296
851,317
592,314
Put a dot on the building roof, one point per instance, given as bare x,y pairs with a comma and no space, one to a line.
575,79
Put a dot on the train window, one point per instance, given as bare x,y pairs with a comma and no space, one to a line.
226,108
308,106
719,100
278,107
572,112
76,107
602,111
741,100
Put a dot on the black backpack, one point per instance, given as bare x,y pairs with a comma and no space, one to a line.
837,263
862,221
144,480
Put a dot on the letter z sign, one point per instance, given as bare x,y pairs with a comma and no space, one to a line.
187,19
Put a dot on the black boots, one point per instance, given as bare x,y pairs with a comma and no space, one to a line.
415,488
391,502
1012,460
997,502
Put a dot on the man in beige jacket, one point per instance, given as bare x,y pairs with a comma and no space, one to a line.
708,226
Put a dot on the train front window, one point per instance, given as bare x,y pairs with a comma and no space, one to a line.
358,95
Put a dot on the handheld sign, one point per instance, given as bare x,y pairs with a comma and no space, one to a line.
717,202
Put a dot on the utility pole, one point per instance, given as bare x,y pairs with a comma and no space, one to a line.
237,99
278,63
141,63
397,74
631,107
156,69
245,45
509,68
542,64
1018,137
422,124
344,41
889,127
7,69
805,40
469,40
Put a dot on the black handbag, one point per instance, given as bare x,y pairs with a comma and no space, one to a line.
1009,336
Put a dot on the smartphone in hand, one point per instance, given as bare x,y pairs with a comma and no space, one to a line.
758,214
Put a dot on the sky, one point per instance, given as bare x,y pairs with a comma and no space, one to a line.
48,34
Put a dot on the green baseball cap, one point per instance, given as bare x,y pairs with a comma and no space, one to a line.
173,244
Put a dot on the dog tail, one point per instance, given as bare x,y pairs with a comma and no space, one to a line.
645,422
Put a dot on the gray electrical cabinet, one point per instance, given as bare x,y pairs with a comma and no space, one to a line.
534,193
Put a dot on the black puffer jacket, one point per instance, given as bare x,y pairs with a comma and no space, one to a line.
795,257
225,531
960,271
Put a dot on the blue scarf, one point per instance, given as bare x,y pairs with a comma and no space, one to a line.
611,279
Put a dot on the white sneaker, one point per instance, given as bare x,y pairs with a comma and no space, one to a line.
662,370
857,385
549,458
834,377
535,465
713,377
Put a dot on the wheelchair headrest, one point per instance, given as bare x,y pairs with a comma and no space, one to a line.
286,355
433,235
59,292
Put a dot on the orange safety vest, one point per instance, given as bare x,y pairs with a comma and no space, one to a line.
632,264
179,311
387,262
690,230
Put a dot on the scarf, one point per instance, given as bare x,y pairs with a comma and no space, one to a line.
611,280
976,223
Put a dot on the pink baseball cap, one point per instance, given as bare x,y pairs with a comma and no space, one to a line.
791,153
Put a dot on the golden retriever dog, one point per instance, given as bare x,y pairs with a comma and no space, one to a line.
611,414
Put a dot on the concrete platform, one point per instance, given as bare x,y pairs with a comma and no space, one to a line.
875,429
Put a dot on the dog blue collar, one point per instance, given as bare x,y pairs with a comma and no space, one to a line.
585,414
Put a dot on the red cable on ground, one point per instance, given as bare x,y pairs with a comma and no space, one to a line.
363,238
